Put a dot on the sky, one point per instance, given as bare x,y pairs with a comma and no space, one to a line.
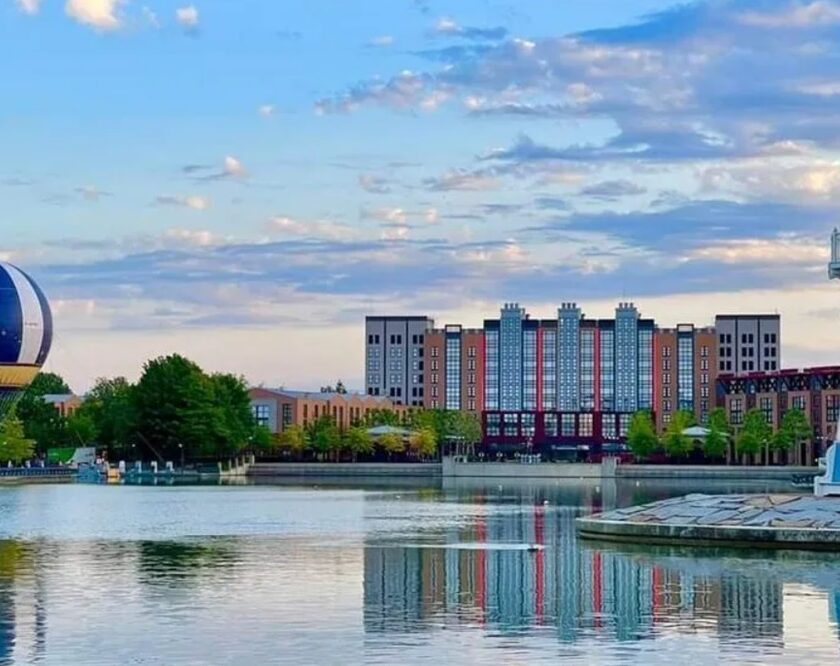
243,182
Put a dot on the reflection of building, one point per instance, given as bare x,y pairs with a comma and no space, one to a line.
578,590
277,409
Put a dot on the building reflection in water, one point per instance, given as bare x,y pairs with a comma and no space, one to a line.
477,578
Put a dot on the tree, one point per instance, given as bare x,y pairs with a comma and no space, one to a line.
423,442
325,435
80,429
675,443
715,443
641,435
794,430
262,439
754,434
294,438
232,410
109,405
391,443
358,441
379,417
338,388
14,444
175,406
41,420
464,427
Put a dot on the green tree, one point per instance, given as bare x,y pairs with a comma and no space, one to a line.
325,436
262,440
293,438
110,405
423,442
14,445
675,443
465,427
794,430
80,430
175,405
41,420
754,434
234,421
641,435
716,441
379,417
391,443
358,441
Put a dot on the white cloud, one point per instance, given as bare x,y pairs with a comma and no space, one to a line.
374,184
765,251
395,231
447,26
397,215
432,216
808,15
193,237
459,179
328,229
382,41
266,110
233,167
100,14
29,6
187,16
193,201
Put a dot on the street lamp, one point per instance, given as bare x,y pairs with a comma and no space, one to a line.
181,447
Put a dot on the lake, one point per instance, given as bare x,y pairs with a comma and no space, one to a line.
339,572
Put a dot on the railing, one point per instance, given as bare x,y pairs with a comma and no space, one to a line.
36,471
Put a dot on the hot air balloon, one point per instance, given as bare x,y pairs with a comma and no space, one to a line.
26,330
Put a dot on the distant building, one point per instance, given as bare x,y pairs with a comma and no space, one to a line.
65,403
685,372
816,391
277,409
566,381
454,362
394,362
749,343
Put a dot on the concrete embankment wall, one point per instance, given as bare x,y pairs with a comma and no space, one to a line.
345,469
451,469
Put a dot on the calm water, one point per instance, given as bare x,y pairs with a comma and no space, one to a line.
335,574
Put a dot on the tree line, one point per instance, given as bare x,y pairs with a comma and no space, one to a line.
174,411
322,439
750,438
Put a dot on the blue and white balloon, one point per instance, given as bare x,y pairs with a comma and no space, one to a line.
26,332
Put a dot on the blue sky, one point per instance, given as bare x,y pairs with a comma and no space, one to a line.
243,182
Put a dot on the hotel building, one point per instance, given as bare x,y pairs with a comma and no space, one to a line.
454,360
569,380
685,372
749,343
394,358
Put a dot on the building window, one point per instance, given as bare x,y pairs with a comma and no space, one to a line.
529,370
736,411
585,425
262,415
608,430
286,412
704,351
528,425
453,372
685,371
798,402
567,425
666,364
491,369
550,425
766,407
493,425
832,409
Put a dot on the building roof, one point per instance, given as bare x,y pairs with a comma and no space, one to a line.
57,398
324,397
379,431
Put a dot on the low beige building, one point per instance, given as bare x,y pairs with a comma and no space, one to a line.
277,409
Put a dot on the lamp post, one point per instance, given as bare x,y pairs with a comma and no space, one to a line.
181,447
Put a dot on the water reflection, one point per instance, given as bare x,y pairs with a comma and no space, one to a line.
492,572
